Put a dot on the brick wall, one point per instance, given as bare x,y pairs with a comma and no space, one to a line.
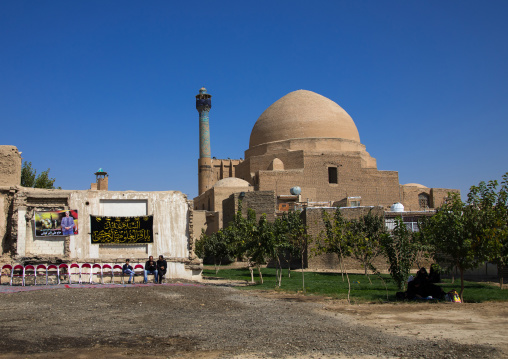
313,219
260,201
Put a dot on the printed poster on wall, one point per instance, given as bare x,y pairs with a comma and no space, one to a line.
56,223
121,230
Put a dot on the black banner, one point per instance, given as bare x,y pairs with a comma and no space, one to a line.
121,230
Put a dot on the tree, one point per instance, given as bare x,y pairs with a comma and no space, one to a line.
297,238
453,232
334,239
242,232
364,235
400,248
490,208
216,247
29,177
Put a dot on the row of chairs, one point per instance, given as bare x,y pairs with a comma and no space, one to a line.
73,270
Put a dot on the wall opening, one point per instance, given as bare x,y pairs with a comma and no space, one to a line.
332,175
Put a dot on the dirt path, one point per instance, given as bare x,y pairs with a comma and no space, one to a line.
180,320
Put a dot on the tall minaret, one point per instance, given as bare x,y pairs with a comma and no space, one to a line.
203,105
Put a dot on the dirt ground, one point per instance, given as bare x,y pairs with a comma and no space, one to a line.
214,320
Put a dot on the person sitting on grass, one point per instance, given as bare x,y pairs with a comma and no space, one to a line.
150,268
127,269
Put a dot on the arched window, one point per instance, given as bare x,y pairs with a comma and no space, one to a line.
423,200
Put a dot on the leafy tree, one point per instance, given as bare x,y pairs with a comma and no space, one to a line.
216,247
490,211
242,232
364,235
454,234
29,177
400,248
334,239
298,240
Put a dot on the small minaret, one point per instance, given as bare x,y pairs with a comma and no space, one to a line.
101,181
203,105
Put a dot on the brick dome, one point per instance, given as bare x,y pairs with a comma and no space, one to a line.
303,114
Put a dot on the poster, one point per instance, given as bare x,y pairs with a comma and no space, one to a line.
56,223
121,230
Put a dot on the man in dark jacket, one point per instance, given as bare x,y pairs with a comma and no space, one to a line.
162,266
150,268
127,269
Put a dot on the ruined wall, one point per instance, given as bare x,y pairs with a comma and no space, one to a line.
173,229
10,166
8,245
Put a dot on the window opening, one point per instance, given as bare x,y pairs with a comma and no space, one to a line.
332,175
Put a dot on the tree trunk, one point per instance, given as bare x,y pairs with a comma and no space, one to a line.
289,266
260,274
251,274
461,283
303,278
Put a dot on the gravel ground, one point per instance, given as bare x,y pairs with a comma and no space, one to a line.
198,321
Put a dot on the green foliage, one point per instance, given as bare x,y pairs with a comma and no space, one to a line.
400,248
490,213
216,247
364,238
453,233
29,177
356,238
334,239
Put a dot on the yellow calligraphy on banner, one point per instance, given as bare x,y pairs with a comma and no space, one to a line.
121,230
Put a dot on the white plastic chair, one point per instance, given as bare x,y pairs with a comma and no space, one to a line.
86,269
120,271
29,271
52,270
96,270
37,271
107,270
4,268
64,270
71,273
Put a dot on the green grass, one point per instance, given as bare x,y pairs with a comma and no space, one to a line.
332,285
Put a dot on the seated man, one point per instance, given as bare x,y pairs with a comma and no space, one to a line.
150,268
161,267
127,269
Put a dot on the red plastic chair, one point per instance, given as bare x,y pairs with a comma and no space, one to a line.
29,271
52,270
86,269
120,271
64,270
96,270
71,273
4,268
37,271
139,270
107,271
20,268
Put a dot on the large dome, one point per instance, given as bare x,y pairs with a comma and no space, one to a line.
303,114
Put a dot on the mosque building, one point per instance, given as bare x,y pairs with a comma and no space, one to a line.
308,142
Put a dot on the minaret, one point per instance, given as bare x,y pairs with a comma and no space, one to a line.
203,105
101,181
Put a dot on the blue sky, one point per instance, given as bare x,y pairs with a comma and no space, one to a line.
111,84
